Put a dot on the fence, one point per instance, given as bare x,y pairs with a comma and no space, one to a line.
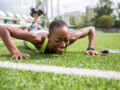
107,30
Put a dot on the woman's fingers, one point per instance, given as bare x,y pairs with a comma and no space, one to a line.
93,53
12,57
26,56
20,56
87,53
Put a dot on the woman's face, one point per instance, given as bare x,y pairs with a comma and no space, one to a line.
59,39
35,15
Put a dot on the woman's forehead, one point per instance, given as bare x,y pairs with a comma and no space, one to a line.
60,35
60,32
61,29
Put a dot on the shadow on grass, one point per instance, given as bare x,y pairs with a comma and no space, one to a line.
37,56
76,52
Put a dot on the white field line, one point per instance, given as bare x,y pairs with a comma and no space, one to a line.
16,41
62,70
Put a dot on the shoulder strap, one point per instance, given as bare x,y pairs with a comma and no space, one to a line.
42,50
31,46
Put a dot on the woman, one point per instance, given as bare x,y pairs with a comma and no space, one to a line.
55,41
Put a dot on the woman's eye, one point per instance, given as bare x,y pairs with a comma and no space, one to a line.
66,40
57,41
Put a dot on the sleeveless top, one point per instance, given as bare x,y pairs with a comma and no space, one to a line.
42,50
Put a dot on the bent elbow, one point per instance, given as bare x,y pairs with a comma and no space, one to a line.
92,29
3,29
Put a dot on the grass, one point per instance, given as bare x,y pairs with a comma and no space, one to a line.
73,57
11,79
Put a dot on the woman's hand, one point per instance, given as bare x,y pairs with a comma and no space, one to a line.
92,52
20,56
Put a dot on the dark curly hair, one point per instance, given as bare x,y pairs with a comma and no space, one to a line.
34,10
56,23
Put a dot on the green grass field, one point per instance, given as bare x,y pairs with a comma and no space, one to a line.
74,56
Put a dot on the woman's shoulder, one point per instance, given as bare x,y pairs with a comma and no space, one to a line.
41,36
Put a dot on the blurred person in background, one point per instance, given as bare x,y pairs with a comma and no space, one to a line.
36,25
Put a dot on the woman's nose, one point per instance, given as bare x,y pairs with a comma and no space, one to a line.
62,44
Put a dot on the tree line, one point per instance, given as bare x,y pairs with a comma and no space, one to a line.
103,16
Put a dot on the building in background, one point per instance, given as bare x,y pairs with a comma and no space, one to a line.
20,16
14,19
75,13
17,13
89,9
66,16
48,8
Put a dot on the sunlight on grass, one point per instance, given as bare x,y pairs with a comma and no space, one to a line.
74,56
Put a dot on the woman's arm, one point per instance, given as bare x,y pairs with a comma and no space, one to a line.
7,32
90,31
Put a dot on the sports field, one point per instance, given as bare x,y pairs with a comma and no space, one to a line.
74,57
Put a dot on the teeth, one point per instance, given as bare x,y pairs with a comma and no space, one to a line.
61,49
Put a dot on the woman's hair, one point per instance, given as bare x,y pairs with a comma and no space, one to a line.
38,11
56,23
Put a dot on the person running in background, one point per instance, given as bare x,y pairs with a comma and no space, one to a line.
36,25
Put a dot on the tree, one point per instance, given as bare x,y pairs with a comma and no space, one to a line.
39,4
82,20
85,20
44,17
60,17
81,23
102,3
73,21
119,14
119,11
105,21
44,20
103,8
117,17
88,19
